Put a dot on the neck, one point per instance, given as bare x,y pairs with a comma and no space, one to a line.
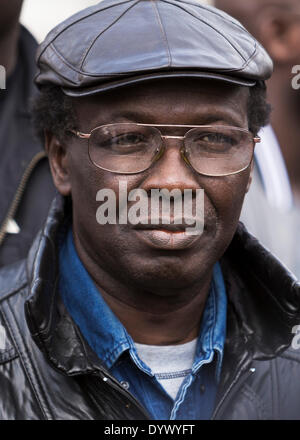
9,48
285,122
158,316
169,321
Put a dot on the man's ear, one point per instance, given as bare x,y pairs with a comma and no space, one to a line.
58,159
250,176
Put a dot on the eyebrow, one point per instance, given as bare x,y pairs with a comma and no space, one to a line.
205,118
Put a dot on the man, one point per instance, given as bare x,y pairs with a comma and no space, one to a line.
271,210
26,188
116,319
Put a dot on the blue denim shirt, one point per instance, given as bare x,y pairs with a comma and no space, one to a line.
109,339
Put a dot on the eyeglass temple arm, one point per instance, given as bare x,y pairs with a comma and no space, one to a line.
80,134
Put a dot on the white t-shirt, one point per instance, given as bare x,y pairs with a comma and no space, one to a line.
169,363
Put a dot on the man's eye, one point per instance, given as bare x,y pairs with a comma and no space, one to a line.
124,141
218,139
215,142
128,139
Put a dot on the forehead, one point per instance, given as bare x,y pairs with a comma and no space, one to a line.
167,101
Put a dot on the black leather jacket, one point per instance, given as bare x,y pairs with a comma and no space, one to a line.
48,371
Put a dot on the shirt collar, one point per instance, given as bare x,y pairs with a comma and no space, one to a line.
213,325
107,336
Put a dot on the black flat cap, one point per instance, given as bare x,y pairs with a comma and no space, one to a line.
116,43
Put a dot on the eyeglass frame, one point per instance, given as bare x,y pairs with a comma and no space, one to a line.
81,135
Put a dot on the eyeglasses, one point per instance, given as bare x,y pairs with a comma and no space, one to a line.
131,148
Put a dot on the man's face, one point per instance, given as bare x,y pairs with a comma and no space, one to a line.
124,251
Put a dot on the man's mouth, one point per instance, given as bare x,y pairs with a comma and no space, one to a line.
166,236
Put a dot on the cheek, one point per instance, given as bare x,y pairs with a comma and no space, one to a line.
225,196
86,181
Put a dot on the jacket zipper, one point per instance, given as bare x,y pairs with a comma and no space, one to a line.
233,387
19,193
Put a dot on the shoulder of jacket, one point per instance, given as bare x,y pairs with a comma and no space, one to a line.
13,278
292,353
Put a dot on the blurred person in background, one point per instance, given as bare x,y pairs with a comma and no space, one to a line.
272,207
26,187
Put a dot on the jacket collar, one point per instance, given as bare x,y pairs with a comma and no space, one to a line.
263,301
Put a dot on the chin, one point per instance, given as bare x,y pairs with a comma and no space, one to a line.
169,273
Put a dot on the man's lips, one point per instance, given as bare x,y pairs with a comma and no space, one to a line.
168,240
166,236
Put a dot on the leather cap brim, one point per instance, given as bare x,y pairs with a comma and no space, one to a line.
111,85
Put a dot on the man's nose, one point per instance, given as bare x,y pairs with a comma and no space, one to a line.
171,171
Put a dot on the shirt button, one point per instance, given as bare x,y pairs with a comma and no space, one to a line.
202,389
125,384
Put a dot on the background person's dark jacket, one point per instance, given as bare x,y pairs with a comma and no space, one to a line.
26,188
48,371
